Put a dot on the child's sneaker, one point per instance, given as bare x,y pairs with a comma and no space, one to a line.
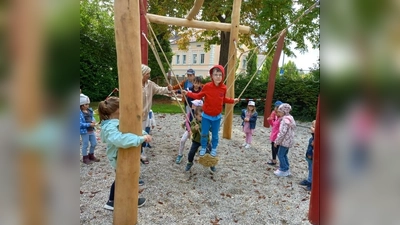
304,183
188,166
213,169
202,152
247,146
213,152
244,144
141,202
280,173
141,182
109,205
178,159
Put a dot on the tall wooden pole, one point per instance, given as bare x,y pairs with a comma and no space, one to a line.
272,75
26,38
227,132
144,45
127,38
314,209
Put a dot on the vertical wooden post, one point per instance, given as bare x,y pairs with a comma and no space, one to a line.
144,45
26,55
314,209
127,37
227,132
271,81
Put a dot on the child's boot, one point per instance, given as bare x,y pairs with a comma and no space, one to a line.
86,160
213,152
93,158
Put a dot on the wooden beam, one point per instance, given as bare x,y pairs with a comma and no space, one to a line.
127,38
272,75
227,132
195,23
315,208
196,8
144,45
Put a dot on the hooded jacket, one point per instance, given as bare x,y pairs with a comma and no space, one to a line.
287,127
214,96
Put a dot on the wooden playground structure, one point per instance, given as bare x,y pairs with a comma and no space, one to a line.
130,22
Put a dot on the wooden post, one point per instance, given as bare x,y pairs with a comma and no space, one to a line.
271,81
26,38
196,8
127,38
227,132
196,24
314,209
143,28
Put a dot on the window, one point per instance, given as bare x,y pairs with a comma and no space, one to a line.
177,59
183,59
194,58
202,58
244,63
198,46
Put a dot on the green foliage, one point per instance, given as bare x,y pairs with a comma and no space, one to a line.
98,59
300,93
251,66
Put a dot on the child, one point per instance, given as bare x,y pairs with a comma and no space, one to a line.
274,120
150,124
285,139
195,104
196,132
249,117
110,134
214,98
309,156
87,122
185,85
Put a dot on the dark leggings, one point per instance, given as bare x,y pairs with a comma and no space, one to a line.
111,198
194,148
274,150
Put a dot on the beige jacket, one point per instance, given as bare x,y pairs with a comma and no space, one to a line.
149,90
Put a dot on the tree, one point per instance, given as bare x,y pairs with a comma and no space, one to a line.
98,59
266,17
251,59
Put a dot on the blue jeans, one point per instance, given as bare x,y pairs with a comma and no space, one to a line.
309,161
283,159
86,138
206,124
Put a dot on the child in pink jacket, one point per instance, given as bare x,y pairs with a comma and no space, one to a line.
274,120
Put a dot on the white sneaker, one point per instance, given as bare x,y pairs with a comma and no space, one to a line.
281,173
244,144
247,146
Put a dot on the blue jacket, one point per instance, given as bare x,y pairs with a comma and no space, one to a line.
85,125
115,139
310,148
253,118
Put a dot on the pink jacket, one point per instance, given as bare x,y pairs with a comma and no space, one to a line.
275,129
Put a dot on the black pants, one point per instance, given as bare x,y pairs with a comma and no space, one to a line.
274,150
111,198
194,148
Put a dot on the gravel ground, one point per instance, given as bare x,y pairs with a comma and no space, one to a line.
243,190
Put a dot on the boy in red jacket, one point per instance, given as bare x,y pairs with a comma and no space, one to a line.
214,98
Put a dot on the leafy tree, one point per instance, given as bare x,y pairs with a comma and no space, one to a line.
251,59
98,59
265,17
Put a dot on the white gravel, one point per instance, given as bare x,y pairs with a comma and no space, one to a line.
244,189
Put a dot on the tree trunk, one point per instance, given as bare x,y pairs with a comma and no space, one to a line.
224,51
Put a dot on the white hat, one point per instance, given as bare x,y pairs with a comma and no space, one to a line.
145,69
84,99
197,102
251,103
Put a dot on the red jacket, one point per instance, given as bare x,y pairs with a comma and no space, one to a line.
214,96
